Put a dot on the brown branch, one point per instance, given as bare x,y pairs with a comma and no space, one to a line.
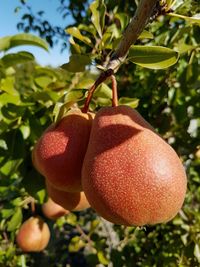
134,29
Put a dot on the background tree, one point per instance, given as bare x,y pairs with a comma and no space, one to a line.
166,92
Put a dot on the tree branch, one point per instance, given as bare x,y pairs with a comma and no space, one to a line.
134,29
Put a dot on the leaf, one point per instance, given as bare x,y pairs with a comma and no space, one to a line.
193,20
123,19
34,184
15,221
184,48
17,58
43,81
103,91
84,83
102,258
98,10
8,42
77,34
77,63
74,96
153,57
76,244
131,102
146,35
197,252
7,98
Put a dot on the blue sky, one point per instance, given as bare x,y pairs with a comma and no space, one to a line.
9,20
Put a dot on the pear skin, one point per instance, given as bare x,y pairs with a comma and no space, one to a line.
76,201
130,175
33,235
52,210
59,153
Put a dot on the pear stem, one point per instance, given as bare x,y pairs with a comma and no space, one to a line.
114,91
103,76
33,206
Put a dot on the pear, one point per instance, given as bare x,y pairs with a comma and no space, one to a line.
33,235
130,175
52,210
76,201
60,151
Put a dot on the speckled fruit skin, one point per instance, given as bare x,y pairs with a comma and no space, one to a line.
130,175
52,210
76,201
59,153
33,235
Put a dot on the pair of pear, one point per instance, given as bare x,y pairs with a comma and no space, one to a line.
128,173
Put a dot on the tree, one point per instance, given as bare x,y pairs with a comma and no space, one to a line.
163,83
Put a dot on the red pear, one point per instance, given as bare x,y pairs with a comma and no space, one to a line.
33,235
76,201
130,175
59,153
52,210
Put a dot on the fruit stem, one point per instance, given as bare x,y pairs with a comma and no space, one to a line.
103,76
114,91
33,206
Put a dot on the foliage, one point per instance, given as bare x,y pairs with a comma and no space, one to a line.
167,94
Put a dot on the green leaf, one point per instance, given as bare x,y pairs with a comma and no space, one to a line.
43,81
98,10
77,63
15,221
193,20
7,98
132,102
103,91
102,258
17,58
77,34
153,57
74,96
8,42
197,252
123,19
184,48
76,244
146,35
34,184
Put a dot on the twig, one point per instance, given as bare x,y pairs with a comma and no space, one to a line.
86,237
103,76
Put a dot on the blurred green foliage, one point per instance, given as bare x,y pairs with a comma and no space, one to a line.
32,96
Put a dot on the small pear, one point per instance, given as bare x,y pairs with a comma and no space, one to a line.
130,175
33,235
60,151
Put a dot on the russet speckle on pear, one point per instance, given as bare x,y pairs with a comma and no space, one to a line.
59,153
130,175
